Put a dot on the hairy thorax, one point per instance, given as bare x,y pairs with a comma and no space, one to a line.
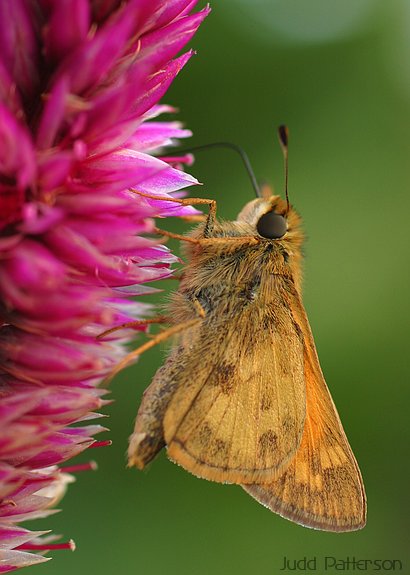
227,278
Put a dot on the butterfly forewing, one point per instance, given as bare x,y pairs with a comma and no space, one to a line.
240,418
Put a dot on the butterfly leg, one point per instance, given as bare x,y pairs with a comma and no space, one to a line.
198,308
210,218
206,240
133,324
168,234
195,218
183,202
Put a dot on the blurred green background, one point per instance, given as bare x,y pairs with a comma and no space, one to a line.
338,74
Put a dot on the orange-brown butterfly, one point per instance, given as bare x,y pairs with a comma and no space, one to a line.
241,397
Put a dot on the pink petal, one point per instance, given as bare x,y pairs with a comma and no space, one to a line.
96,55
11,560
162,44
153,135
18,43
158,84
69,23
16,154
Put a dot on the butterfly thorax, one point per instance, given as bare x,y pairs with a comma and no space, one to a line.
225,278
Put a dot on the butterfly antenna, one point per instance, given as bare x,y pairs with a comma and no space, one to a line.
283,133
237,149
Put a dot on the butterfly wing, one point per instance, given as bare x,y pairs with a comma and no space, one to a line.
322,487
239,417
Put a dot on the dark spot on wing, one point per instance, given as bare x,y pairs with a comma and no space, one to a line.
267,442
224,377
218,447
288,424
285,367
329,439
315,464
205,434
266,402
341,478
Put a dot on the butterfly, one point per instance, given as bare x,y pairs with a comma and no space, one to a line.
241,397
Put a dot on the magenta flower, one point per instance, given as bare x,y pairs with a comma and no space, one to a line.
79,82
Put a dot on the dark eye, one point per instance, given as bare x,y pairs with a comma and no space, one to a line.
271,225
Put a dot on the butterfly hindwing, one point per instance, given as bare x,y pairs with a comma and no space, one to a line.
322,487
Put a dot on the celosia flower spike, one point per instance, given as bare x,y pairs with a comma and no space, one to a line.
80,83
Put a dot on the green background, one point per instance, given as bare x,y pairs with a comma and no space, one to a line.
338,74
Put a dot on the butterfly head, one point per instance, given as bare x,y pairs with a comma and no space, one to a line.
268,215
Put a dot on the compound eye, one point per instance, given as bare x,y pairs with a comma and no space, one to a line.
271,225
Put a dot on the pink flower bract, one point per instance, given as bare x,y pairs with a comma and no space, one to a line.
80,82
